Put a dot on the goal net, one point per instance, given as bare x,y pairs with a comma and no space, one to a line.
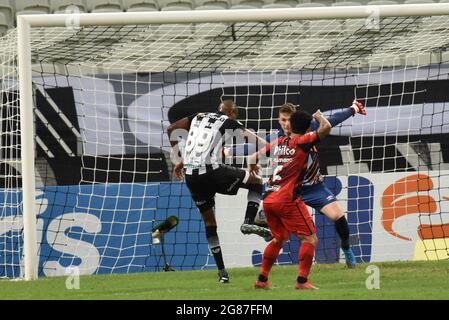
104,96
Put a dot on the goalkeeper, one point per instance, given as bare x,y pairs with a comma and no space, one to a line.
313,191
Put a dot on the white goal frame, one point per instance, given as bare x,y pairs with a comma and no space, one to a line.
26,22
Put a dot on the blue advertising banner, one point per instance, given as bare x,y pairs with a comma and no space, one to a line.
105,229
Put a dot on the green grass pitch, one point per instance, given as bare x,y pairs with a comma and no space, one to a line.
398,280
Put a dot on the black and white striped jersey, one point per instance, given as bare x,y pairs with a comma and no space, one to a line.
205,140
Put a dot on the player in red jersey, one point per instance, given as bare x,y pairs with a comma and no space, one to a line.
284,209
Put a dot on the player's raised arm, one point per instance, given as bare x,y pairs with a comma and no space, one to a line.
182,124
324,125
341,116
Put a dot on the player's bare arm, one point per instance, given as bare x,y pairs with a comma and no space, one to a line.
184,124
324,125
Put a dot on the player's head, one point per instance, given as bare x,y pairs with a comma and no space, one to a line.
285,112
229,108
300,122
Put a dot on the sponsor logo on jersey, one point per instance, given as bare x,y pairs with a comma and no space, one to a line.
284,151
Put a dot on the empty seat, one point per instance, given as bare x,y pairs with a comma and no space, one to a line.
381,2
291,3
252,3
346,3
142,8
210,7
106,6
255,30
224,4
418,1
140,5
4,24
175,5
242,7
213,30
8,10
33,5
174,31
30,11
324,27
60,6
176,8
311,5
276,6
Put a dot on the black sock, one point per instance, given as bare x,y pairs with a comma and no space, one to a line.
214,246
254,195
262,278
341,225
301,280
251,211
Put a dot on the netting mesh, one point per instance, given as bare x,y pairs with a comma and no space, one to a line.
106,95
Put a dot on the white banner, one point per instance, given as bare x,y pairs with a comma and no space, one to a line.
399,205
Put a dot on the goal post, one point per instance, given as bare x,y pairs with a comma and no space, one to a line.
208,58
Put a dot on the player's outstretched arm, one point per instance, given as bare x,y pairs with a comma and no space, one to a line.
324,125
341,116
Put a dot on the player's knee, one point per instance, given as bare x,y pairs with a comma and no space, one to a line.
311,239
280,241
209,217
314,240
333,211
205,206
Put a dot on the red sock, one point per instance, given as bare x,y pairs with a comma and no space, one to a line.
305,259
270,255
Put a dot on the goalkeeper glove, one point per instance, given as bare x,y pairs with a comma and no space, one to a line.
357,107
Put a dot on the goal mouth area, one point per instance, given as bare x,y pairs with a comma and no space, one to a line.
127,71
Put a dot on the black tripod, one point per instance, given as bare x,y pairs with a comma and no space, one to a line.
158,233
167,266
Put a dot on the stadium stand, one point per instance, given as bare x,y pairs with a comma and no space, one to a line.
140,5
107,6
60,6
8,11
32,7
224,4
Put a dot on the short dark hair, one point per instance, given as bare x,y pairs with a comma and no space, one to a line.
300,121
287,108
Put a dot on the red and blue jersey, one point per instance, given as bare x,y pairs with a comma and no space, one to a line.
312,172
289,156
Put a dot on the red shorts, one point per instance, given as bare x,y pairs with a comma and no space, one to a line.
286,217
